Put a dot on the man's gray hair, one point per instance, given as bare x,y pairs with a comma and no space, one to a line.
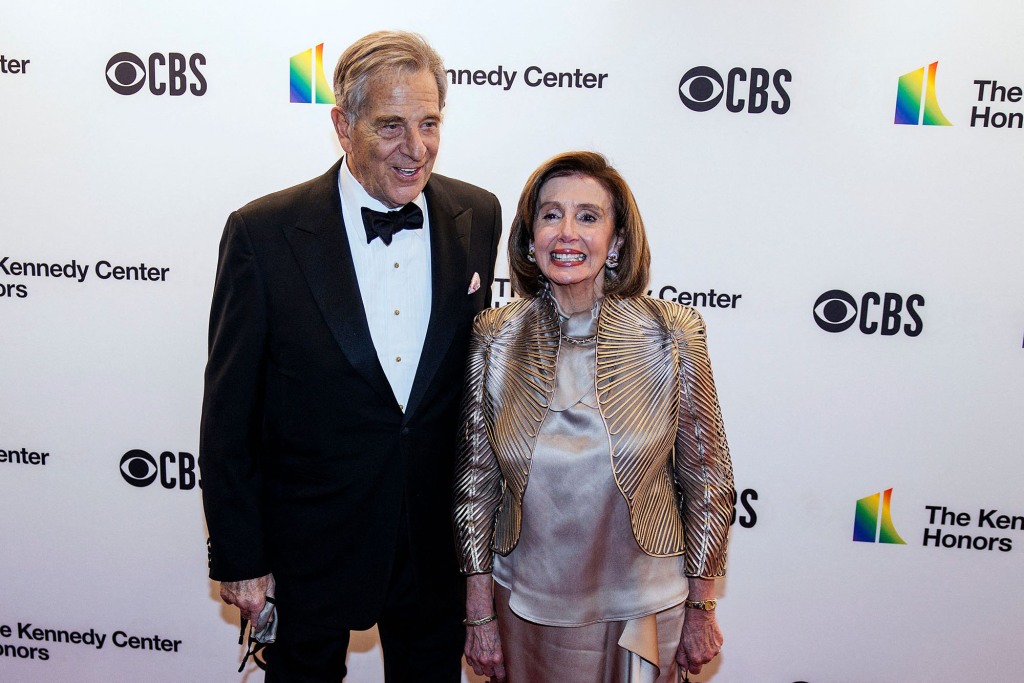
383,55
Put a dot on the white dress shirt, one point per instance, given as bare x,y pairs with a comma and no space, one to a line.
394,283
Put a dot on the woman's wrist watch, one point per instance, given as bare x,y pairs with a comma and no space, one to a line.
706,605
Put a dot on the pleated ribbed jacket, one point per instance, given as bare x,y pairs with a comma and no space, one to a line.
656,393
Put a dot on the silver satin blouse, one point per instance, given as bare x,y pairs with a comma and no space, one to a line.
578,561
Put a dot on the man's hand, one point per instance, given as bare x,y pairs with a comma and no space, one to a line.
248,596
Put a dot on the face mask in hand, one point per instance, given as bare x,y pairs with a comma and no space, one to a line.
262,632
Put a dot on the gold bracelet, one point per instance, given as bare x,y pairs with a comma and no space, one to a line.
706,605
481,621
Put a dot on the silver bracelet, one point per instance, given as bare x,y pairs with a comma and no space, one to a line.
481,621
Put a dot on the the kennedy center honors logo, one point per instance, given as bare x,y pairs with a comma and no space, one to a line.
872,521
916,103
308,84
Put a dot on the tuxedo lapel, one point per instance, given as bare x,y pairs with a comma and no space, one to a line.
320,244
450,233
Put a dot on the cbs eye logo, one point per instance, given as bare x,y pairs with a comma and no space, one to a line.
702,88
141,469
837,311
166,74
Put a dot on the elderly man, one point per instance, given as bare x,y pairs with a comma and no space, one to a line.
338,338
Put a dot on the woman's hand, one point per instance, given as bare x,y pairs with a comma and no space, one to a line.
483,647
701,640
483,651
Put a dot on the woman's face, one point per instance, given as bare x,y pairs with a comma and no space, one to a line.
573,231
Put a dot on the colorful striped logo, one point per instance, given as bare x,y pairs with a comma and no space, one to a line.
308,85
916,103
872,521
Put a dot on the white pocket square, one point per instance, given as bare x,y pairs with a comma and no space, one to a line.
474,284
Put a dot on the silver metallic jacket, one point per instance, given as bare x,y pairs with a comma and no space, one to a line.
656,393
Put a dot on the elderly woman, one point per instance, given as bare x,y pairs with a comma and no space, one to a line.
594,488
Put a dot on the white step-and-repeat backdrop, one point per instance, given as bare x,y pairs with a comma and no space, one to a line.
837,187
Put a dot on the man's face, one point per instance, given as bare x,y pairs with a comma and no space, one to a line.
391,147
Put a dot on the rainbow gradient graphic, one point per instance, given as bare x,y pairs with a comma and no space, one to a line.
866,520
303,67
911,91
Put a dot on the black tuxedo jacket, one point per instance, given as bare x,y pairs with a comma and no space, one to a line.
306,458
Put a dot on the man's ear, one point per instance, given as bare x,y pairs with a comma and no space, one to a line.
342,128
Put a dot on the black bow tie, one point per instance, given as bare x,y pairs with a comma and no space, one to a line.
385,224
